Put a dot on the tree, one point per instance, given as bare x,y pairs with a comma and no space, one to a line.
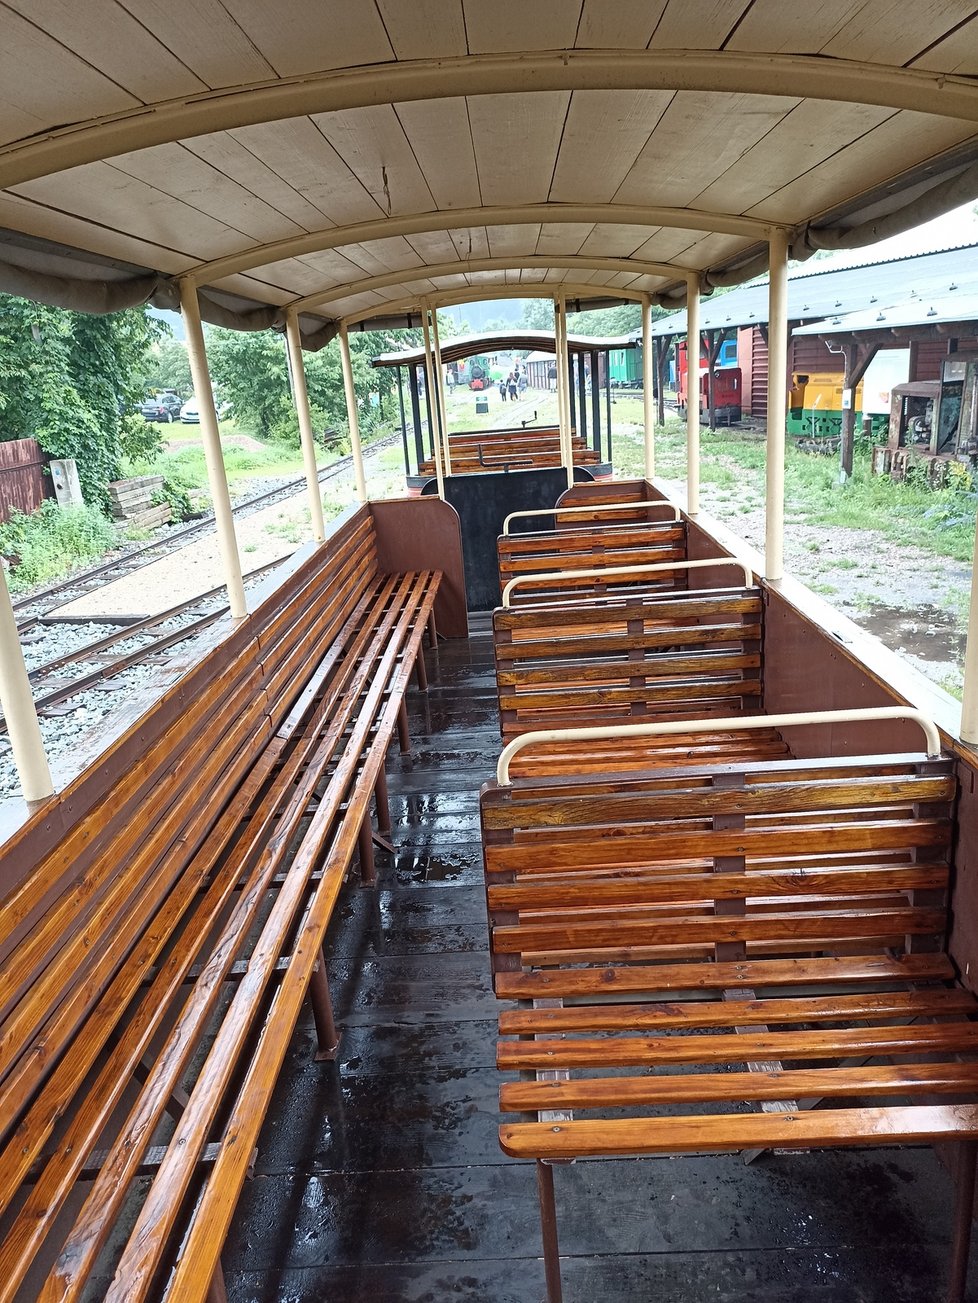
168,367
538,314
69,380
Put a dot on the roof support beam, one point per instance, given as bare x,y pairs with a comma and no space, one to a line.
485,294
467,266
454,219
735,71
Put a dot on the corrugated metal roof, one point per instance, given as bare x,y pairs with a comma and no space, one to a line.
919,311
816,296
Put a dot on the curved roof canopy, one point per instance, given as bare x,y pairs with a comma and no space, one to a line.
453,350
351,158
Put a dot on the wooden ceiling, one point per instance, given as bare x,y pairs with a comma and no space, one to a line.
354,156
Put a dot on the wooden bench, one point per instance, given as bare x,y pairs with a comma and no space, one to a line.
154,959
559,564
474,452
770,935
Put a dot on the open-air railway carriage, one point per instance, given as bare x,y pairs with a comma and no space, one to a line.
730,918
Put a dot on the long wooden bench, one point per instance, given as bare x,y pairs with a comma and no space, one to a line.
559,564
153,962
766,937
651,655
474,452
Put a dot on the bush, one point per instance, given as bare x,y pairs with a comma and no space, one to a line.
52,541
174,495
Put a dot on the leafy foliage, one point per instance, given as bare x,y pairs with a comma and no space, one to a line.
53,540
167,366
70,381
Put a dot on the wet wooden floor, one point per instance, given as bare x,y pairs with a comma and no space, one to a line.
380,1177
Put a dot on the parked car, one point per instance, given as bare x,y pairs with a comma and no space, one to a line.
190,412
161,407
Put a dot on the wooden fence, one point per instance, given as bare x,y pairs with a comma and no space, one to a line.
23,484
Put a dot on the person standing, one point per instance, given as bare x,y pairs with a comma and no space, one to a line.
502,388
512,386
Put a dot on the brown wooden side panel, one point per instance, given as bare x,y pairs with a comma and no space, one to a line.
424,534
23,482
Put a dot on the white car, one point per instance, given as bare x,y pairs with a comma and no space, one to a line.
189,412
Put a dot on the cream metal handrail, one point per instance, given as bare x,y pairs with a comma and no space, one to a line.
658,567
611,506
737,723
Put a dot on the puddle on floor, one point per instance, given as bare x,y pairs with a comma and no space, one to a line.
927,633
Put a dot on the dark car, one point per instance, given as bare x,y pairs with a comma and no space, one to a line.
161,407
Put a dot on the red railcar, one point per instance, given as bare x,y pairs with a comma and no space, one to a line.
727,387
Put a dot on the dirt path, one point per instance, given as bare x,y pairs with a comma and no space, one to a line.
913,601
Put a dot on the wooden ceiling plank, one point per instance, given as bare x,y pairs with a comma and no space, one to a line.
296,37
372,143
424,29
299,153
204,37
775,26
21,214
251,287
617,241
41,78
703,26
516,141
687,149
897,144
893,31
231,157
515,25
512,241
108,38
624,25
380,256
605,133
101,193
957,53
471,241
563,237
207,189
330,267
433,246
440,138
804,138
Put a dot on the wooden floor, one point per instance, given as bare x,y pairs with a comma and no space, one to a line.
380,1177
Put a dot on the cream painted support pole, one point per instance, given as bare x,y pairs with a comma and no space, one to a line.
969,699
18,707
777,400
214,457
440,379
563,380
647,387
351,413
301,396
429,372
693,394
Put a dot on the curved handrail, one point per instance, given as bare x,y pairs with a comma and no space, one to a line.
738,722
611,506
628,570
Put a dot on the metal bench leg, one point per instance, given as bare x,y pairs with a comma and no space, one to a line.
216,1291
322,1013
383,804
403,733
365,846
964,1201
548,1227
421,671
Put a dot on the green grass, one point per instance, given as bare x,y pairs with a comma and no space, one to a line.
52,541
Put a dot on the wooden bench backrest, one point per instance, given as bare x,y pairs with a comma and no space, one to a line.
842,856
659,656
591,547
150,806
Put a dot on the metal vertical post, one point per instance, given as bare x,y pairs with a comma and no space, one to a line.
595,403
17,700
300,396
416,413
692,394
404,438
777,398
432,404
563,407
440,392
574,426
213,456
581,398
351,413
648,386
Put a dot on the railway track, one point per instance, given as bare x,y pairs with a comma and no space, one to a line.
86,663
36,607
